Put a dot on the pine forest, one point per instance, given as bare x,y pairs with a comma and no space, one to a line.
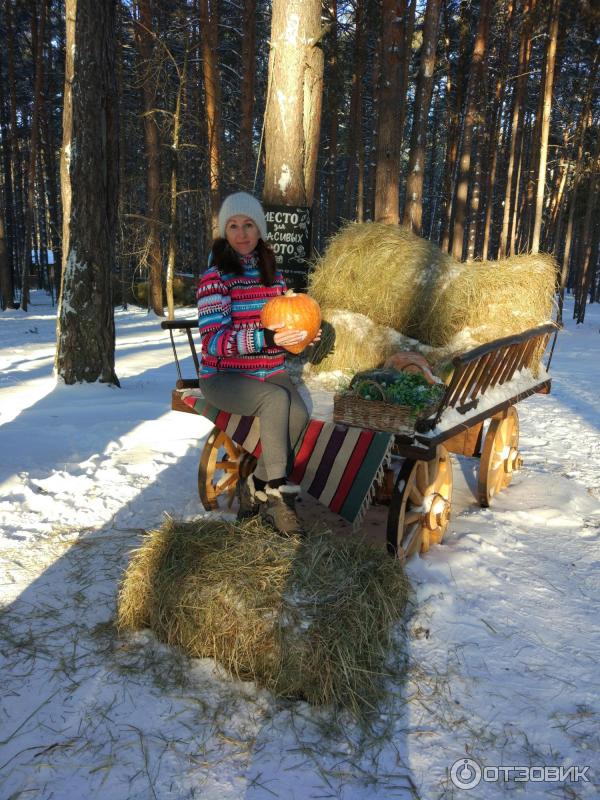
124,123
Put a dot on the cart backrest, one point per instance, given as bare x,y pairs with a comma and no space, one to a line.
494,364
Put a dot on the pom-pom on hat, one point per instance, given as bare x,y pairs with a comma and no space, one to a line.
246,204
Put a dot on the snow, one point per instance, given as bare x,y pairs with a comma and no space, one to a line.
285,176
522,381
292,29
502,638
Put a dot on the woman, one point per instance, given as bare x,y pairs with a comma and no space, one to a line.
243,364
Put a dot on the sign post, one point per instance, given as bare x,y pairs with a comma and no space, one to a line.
289,234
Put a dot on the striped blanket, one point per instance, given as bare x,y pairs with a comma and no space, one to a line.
338,465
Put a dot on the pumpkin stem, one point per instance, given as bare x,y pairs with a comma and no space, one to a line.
290,293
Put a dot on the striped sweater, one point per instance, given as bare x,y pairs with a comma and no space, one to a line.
229,309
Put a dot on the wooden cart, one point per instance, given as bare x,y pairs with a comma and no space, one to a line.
486,384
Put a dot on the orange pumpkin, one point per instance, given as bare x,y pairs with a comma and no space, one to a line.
297,312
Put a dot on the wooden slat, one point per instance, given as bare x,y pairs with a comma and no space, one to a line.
456,386
470,381
529,351
493,370
514,355
481,372
178,324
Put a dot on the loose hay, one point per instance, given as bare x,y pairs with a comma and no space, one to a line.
401,281
353,342
307,619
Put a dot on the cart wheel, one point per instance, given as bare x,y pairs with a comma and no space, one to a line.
222,461
500,456
420,507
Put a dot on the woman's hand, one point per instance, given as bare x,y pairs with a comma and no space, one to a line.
286,336
317,337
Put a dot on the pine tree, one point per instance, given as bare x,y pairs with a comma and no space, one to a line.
89,169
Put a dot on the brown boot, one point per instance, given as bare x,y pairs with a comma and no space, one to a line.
277,509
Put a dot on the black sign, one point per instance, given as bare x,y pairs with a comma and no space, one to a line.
289,230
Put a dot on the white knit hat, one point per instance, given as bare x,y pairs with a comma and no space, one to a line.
246,204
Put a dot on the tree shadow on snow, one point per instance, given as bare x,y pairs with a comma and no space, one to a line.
61,668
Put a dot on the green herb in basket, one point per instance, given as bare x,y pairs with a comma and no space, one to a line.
406,389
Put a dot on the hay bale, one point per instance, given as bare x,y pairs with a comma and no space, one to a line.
381,271
352,342
306,619
401,281
489,299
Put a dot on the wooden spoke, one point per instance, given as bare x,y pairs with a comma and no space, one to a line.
420,507
415,495
422,478
219,469
500,456
228,466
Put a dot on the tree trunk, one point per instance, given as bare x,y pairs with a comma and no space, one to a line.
17,163
473,121
581,128
516,127
407,35
413,209
523,215
293,114
374,10
566,257
209,22
144,38
355,120
332,106
246,152
42,227
89,170
37,41
172,255
6,284
520,197
7,213
587,237
49,163
433,188
545,126
556,204
455,91
475,199
595,267
389,135
495,143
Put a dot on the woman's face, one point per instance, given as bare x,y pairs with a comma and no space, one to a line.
242,234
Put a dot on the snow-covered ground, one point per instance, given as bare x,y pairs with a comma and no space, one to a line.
503,636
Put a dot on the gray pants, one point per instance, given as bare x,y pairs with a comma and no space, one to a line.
276,402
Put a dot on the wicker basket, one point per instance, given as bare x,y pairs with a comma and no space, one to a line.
375,414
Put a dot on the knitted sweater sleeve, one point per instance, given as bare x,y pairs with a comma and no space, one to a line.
214,320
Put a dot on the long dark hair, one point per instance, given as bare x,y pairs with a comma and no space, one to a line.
227,260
